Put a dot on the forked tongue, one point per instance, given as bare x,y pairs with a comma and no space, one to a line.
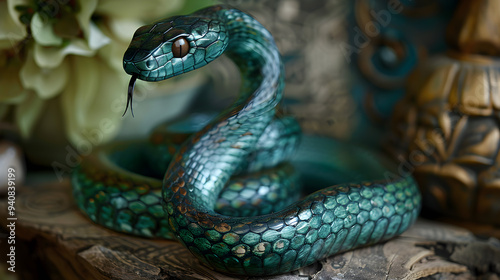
130,95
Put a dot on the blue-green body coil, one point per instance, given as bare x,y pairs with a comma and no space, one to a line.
247,138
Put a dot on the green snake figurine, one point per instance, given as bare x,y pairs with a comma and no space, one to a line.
245,152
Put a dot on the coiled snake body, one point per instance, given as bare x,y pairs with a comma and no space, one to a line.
279,239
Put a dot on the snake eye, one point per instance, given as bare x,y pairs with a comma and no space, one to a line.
180,47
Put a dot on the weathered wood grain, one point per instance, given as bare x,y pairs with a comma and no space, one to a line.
66,245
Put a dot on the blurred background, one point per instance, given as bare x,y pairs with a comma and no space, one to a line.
63,87
415,78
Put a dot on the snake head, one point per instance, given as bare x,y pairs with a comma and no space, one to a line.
174,46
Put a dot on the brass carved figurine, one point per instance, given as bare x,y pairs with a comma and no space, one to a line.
446,128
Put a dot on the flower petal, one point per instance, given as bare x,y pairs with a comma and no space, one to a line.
87,8
47,57
12,4
26,114
96,38
46,82
43,32
138,9
11,31
87,101
120,31
124,28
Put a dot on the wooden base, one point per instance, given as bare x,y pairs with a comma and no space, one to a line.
54,240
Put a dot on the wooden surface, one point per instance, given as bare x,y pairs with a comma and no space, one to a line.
55,241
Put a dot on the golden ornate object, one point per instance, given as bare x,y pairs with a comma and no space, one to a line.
446,128
474,28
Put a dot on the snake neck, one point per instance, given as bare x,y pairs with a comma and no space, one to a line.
254,51
211,156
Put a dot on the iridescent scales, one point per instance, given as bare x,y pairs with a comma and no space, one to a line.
150,53
299,238
125,201
199,205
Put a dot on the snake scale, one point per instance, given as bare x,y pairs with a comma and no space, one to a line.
240,154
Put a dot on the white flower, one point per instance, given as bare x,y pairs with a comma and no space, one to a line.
71,51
